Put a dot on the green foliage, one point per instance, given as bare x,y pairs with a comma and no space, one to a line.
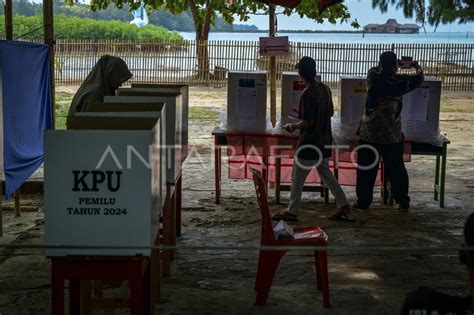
79,28
181,22
432,12
205,12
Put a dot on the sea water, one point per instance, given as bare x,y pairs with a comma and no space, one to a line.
367,38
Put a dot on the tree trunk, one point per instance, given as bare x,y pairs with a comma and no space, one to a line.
202,53
202,23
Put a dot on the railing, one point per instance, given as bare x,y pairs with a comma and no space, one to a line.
176,62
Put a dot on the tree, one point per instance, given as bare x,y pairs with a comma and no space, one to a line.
204,13
432,12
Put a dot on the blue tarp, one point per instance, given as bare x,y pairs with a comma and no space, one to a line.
26,84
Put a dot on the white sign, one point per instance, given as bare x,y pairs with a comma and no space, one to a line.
274,46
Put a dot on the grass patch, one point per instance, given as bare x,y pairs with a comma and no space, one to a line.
457,105
63,101
199,113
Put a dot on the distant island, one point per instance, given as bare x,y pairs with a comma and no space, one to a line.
256,30
244,28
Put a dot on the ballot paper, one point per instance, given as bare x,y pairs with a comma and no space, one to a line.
246,99
416,104
414,128
283,231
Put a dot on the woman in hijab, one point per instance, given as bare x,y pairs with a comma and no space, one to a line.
105,78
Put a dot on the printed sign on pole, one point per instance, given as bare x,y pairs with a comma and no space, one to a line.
274,46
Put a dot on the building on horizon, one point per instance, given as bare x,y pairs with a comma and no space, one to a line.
392,26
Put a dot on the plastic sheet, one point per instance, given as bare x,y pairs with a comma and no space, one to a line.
260,150
345,135
224,126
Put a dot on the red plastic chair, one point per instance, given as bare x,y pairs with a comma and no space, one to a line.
269,259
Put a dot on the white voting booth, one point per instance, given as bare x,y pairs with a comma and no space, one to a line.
247,101
352,96
183,89
173,131
101,181
137,110
420,112
292,86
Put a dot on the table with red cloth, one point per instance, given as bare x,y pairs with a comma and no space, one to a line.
272,152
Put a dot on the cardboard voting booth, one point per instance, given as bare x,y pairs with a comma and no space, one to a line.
420,113
292,86
352,96
174,88
247,101
101,182
173,131
137,110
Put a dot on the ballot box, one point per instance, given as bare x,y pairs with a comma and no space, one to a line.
174,88
292,86
173,131
157,110
101,187
420,112
247,101
419,115
352,97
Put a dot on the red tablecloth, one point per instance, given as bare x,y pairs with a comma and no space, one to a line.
254,150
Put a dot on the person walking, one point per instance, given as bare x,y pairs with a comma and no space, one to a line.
380,132
314,145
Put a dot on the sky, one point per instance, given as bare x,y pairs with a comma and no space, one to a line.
360,9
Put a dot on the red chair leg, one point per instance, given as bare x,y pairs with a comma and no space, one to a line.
323,267
317,270
269,261
257,279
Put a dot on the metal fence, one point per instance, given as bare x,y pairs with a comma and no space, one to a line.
176,62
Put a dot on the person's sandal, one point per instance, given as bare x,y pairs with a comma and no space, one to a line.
342,214
285,216
341,217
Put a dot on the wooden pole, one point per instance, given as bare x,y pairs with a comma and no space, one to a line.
8,20
48,28
9,36
271,32
16,199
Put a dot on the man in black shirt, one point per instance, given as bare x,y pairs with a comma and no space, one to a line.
313,150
